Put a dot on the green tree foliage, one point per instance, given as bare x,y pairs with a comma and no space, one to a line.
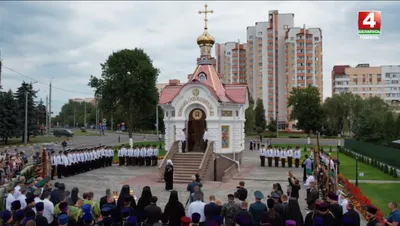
77,109
369,126
340,112
250,115
259,111
306,108
33,127
8,116
272,125
127,82
41,113
389,127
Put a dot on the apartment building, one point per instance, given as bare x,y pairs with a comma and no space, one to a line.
231,62
366,81
83,100
303,61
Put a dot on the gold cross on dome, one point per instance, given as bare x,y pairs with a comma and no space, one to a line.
205,12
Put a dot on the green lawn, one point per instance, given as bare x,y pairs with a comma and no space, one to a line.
87,133
32,140
381,194
161,151
348,170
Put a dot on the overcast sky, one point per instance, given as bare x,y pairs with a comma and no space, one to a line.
69,40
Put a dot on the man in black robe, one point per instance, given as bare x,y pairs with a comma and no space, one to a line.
371,215
351,217
334,206
321,216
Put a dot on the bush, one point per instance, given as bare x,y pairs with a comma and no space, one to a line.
395,173
305,150
330,149
386,169
391,171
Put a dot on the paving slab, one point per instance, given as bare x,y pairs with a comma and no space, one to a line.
255,177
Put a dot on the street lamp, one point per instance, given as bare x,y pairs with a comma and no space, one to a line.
357,170
338,149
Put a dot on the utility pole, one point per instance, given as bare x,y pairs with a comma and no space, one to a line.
84,117
26,118
47,116
277,125
74,117
49,106
97,116
157,120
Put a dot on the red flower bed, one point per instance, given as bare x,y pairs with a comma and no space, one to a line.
360,201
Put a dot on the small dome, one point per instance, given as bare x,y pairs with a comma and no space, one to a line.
205,39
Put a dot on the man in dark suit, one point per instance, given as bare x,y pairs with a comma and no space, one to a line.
351,217
283,208
211,210
40,219
243,216
312,196
153,212
242,191
103,200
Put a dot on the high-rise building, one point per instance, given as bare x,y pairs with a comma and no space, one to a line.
279,57
303,62
367,81
231,62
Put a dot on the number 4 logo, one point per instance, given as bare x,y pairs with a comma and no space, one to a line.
369,22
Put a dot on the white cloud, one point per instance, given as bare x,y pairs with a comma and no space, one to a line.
73,38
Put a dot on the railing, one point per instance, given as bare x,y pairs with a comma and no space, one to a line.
170,154
206,159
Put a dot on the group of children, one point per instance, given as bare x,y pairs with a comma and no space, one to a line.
138,155
279,154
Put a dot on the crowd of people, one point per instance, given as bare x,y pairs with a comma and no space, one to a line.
11,163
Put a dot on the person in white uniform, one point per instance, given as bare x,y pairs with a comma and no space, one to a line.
205,139
262,155
136,152
155,156
297,156
283,157
270,155
149,155
289,154
182,137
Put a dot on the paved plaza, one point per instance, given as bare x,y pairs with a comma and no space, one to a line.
256,178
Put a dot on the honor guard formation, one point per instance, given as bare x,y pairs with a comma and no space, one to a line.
138,155
274,155
75,161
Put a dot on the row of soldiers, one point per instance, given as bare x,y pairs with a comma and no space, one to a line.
280,155
75,161
138,155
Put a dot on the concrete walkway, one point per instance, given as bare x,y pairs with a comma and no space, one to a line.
377,181
255,177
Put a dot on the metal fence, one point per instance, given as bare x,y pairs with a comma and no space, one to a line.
390,156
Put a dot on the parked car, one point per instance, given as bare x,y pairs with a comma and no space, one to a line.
63,133
83,129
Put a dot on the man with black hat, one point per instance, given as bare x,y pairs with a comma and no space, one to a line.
40,219
6,218
351,217
106,217
334,207
155,155
53,161
371,215
136,152
60,165
321,216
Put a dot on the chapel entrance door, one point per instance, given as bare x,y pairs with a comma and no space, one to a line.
196,127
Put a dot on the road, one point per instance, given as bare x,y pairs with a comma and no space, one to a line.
110,138
294,141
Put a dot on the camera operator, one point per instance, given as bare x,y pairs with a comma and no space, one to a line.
242,191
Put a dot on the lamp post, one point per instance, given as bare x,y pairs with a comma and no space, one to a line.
338,149
357,170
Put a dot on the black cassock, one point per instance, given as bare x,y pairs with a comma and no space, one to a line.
169,177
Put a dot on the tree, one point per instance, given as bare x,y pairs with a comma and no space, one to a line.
20,97
306,108
76,109
389,128
8,116
41,113
272,125
259,112
369,124
128,80
250,124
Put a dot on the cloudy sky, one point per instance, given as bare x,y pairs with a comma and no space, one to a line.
68,40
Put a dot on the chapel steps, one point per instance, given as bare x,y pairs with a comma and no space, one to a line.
186,165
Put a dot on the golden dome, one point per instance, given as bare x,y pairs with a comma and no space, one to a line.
205,39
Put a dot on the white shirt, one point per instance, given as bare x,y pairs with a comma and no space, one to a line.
37,200
205,136
149,152
65,160
270,153
181,136
58,160
53,161
197,207
155,152
136,152
10,198
297,154
289,153
308,181
142,152
21,199
130,152
283,154
16,192
344,204
48,210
